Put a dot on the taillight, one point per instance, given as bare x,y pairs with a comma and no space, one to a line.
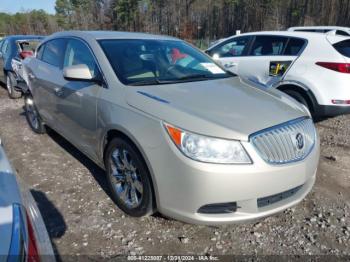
339,67
33,254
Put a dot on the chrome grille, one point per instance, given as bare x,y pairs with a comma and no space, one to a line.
285,143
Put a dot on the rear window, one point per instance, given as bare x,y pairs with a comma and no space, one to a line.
294,46
343,47
268,45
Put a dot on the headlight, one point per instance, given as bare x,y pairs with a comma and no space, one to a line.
208,149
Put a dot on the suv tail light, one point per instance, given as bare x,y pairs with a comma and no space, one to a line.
338,67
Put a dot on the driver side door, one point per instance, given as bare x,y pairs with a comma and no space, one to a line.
76,100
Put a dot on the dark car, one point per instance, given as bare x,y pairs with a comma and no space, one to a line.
9,49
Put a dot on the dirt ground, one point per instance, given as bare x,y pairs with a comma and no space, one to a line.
81,219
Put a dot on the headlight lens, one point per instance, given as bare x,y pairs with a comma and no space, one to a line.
208,149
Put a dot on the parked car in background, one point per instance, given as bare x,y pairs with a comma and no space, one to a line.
10,48
22,230
26,48
338,30
312,68
174,131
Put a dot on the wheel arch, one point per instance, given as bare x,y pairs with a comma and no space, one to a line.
120,132
302,90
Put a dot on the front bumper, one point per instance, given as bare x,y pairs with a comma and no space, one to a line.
184,185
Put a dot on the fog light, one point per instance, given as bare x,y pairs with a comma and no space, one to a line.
220,208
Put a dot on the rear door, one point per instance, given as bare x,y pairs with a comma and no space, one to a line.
46,78
77,99
269,59
230,52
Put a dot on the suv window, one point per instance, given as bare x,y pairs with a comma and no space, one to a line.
78,53
341,32
39,52
268,45
4,47
343,47
294,46
54,52
231,48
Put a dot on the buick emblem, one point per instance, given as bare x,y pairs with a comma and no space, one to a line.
299,141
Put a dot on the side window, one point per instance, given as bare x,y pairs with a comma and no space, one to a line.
294,46
54,52
4,47
234,47
341,32
39,52
78,53
268,45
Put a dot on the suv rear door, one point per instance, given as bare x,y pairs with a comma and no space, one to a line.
269,58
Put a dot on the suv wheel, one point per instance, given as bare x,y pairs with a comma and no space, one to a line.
32,115
10,85
128,178
300,98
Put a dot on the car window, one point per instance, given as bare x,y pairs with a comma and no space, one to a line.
40,51
151,61
4,47
343,47
54,52
78,53
268,45
233,47
294,46
341,32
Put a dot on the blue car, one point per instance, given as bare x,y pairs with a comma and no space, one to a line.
10,47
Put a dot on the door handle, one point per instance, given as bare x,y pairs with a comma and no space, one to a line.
58,91
230,64
31,76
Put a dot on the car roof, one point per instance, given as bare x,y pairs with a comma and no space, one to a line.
320,27
20,37
99,35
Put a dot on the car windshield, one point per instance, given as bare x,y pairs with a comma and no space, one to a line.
152,62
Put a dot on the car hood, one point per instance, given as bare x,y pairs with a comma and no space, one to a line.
225,108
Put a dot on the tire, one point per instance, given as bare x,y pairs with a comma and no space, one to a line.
300,98
128,178
32,115
10,85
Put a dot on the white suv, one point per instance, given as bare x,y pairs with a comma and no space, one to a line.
312,68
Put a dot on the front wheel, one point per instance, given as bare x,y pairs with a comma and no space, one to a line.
32,115
128,178
10,85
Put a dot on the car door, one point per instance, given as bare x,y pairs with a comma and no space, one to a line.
77,99
230,52
46,78
269,58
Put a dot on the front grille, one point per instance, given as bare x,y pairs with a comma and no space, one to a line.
285,143
265,201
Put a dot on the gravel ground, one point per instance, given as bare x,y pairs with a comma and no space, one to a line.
80,217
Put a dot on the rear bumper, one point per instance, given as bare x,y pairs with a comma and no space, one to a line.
329,111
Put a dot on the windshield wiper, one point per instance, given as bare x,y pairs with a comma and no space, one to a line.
153,81
195,76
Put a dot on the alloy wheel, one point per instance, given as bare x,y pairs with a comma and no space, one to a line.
31,112
125,178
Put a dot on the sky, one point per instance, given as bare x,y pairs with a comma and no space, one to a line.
13,6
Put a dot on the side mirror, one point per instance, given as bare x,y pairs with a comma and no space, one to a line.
78,72
25,54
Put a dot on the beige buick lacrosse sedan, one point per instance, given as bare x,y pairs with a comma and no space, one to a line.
175,132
